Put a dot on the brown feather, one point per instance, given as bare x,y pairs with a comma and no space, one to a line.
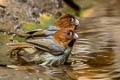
62,38
63,21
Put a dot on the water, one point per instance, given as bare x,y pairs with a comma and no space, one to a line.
96,53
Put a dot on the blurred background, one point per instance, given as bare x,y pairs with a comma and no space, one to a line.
95,55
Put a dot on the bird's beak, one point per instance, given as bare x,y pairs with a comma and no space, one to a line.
76,22
75,36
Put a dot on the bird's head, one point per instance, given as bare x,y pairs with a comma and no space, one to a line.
65,36
66,21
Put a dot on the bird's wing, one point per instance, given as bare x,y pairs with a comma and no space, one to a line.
39,33
47,44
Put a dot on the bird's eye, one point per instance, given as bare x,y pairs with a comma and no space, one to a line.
71,19
70,33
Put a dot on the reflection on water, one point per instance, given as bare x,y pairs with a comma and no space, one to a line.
95,66
96,54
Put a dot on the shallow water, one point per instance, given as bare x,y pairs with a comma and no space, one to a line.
96,53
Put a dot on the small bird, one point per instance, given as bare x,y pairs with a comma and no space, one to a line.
64,21
47,51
